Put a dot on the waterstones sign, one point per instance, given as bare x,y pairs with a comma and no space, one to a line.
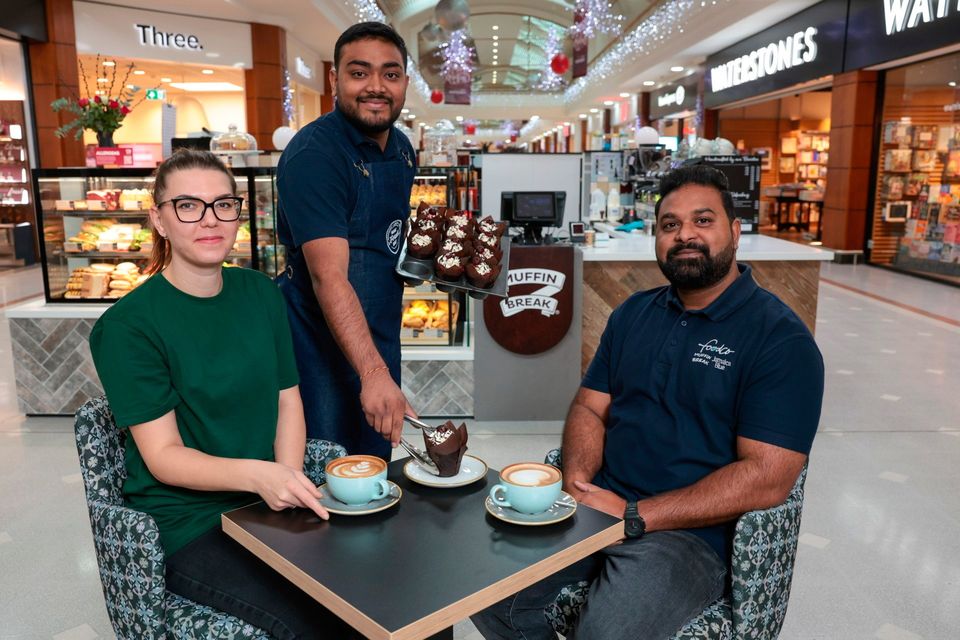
879,31
802,48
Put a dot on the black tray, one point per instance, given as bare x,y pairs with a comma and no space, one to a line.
415,272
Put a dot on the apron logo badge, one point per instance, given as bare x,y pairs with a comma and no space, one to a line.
394,231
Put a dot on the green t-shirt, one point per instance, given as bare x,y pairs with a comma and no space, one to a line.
219,363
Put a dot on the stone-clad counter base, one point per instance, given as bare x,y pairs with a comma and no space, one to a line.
607,284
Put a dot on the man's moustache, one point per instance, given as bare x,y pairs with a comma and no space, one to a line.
687,247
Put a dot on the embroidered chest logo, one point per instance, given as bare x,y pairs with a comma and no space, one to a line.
712,353
393,236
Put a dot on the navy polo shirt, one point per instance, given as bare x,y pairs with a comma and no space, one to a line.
319,173
685,384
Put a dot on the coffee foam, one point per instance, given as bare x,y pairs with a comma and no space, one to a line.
356,467
531,475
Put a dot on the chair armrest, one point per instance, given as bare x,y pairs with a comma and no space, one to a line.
764,551
131,561
318,454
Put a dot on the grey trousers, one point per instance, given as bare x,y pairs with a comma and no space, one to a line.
644,589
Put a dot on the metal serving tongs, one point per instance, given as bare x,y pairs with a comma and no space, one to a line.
420,457
419,424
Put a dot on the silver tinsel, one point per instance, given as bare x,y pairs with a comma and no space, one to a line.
598,18
457,57
550,81
287,98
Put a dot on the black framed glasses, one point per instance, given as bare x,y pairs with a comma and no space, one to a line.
225,209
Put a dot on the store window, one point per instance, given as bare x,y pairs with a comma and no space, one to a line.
916,215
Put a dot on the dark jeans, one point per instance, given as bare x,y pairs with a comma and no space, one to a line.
216,571
644,589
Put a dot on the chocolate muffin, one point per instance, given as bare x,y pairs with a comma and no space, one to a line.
488,240
449,266
433,225
422,245
446,447
489,226
492,255
457,233
481,274
460,248
459,219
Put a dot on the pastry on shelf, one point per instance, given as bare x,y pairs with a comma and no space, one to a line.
416,315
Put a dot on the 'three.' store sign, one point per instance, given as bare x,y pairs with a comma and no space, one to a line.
119,32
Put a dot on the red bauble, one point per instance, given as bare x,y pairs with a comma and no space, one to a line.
470,129
513,137
560,63
436,96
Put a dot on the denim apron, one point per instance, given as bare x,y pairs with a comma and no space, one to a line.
329,386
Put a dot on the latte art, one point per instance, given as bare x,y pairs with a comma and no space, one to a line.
356,467
531,474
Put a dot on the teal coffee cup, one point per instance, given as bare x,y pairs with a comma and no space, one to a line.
357,479
527,487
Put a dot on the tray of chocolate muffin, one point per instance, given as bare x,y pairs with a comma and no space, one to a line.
454,250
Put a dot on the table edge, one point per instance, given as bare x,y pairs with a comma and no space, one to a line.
456,611
340,607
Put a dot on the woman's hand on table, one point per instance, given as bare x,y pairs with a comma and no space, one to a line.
384,404
282,488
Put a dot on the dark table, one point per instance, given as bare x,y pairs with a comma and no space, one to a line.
419,567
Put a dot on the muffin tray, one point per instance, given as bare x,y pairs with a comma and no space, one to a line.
415,272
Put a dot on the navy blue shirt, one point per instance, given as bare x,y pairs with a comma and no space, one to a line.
685,384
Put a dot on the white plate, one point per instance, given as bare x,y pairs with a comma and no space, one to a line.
472,469
563,508
333,505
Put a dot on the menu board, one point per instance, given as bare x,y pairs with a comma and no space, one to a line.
743,173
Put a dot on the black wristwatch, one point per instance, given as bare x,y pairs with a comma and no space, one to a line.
633,524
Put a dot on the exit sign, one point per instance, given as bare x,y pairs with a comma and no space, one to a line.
156,94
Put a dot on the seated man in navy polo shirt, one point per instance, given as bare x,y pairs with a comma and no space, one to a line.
700,404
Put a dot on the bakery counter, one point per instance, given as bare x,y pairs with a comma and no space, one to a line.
54,370
627,264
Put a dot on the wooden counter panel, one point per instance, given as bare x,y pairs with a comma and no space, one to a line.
607,284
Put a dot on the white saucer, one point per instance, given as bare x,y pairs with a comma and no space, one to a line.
333,505
472,469
565,507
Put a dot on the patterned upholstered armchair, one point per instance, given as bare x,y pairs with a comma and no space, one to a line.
127,542
764,549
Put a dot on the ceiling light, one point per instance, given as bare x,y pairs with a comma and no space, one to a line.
102,80
608,103
166,80
131,86
206,86
495,63
459,118
566,124
648,83
676,69
952,83
583,116
109,63
411,116
496,27
624,95
139,72
404,110
469,141
495,38
207,72
594,110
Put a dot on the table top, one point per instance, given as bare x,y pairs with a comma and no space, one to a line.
422,565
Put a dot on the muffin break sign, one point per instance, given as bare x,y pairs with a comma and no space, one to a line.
538,309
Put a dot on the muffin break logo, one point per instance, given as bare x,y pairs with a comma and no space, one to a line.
541,300
713,353
394,231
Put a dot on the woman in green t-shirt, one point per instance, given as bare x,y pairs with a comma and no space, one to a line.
198,365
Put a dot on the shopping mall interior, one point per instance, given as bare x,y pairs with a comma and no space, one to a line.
836,123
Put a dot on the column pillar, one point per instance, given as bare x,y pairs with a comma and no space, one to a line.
852,111
53,75
265,83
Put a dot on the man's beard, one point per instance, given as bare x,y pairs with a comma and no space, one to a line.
696,273
370,125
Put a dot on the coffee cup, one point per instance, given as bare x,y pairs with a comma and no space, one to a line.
357,480
527,487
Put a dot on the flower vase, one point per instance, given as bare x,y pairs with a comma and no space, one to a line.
105,139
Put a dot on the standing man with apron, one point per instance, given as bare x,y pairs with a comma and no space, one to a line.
344,186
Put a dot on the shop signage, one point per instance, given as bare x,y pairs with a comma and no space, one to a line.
674,98
538,310
802,48
115,156
879,31
580,46
743,174
456,90
156,94
120,32
950,108
303,69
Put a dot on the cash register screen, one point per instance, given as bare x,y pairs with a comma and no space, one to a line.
536,207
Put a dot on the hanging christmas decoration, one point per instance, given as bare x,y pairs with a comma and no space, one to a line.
436,96
560,63
470,128
669,19
287,98
552,77
457,57
593,17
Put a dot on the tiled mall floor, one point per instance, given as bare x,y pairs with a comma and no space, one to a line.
879,554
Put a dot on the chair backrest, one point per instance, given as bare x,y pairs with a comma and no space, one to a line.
100,446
